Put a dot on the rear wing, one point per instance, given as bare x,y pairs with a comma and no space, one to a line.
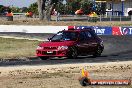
85,28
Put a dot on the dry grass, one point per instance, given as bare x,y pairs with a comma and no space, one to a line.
63,76
65,23
14,48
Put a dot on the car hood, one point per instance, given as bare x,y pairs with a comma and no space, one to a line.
62,43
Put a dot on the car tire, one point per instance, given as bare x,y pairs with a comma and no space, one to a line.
43,58
72,53
98,52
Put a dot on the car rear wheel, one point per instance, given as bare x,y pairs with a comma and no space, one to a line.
72,53
98,52
43,58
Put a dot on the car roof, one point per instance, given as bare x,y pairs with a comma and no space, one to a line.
78,30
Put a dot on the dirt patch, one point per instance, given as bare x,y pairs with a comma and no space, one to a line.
62,76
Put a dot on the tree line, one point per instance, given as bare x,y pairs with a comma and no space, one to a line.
44,8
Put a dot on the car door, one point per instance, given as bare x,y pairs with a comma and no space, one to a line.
82,43
91,41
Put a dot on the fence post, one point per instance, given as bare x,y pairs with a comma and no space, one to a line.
87,18
120,18
100,18
56,18
110,18
131,17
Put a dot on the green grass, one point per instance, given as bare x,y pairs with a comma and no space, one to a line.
15,48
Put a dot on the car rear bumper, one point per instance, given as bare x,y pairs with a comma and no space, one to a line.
62,53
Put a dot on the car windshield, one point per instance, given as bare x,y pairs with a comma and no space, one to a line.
64,36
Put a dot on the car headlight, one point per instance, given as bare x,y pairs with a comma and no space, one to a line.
39,47
62,47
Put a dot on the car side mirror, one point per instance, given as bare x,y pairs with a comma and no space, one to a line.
49,39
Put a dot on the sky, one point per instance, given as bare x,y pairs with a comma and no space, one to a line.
17,3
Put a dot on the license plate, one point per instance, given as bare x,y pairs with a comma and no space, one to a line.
49,51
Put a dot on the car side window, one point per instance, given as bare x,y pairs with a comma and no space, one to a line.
88,34
82,36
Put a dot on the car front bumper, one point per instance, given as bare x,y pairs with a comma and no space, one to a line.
55,53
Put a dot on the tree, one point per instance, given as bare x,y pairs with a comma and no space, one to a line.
1,6
33,8
73,5
5,9
15,9
87,6
24,9
45,8
41,8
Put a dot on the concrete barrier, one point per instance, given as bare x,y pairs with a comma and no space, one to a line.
31,29
100,30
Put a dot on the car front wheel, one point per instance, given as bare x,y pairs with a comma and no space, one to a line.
72,53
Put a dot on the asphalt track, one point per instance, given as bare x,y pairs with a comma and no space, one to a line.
117,48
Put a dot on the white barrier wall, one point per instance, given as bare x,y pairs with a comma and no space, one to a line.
32,29
99,30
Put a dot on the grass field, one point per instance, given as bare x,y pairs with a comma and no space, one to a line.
16,48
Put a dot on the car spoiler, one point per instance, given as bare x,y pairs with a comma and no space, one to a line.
89,28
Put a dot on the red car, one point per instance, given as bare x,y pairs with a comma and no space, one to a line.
71,43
